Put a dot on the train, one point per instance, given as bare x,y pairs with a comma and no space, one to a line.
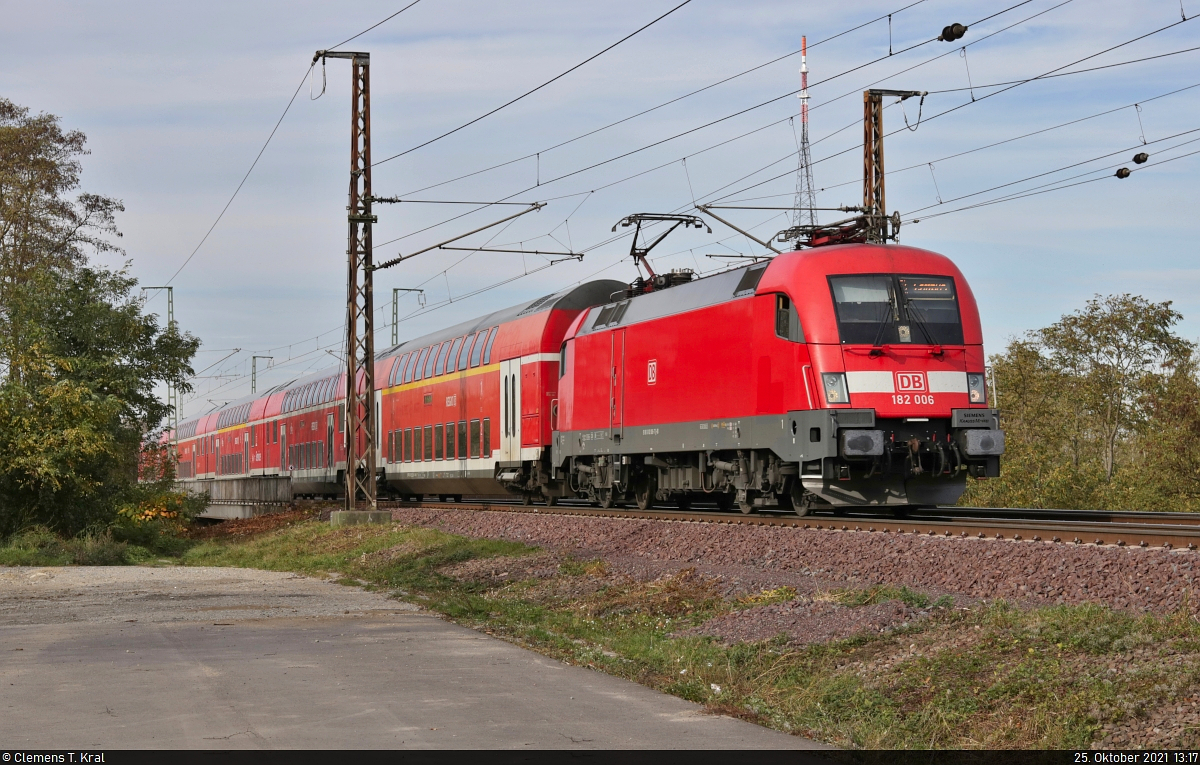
824,379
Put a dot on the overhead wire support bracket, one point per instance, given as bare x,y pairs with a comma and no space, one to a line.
565,255
708,210
533,207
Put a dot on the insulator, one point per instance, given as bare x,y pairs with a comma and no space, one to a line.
1140,157
953,32
1124,172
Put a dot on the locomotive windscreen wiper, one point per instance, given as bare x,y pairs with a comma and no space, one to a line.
889,314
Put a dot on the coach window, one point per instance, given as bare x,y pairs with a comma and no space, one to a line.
450,451
408,445
464,358
787,321
462,439
428,442
430,361
487,349
398,370
417,450
474,438
441,360
437,442
410,368
420,364
452,362
487,437
477,351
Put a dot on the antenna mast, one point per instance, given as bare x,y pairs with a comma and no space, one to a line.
806,197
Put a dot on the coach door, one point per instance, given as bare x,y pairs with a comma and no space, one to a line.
329,419
510,410
616,398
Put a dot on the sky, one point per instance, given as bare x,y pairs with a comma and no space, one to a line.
178,99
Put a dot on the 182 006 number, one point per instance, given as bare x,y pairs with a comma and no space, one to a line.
920,398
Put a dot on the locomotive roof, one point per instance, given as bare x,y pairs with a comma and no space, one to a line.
743,282
700,293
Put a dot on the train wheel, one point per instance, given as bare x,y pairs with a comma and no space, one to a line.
746,506
645,491
800,499
724,501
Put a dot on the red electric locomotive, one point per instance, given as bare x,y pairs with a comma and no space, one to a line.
840,376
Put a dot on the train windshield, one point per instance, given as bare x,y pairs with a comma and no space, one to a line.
883,309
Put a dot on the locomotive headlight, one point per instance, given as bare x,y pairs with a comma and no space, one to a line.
835,388
977,389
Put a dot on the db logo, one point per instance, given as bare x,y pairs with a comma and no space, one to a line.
652,372
910,381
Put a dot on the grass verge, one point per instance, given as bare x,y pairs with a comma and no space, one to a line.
992,676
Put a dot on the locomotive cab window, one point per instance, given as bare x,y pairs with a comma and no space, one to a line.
885,309
787,321
562,360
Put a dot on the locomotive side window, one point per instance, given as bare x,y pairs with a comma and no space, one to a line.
487,349
787,321
562,360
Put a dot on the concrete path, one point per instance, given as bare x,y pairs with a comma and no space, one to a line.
235,658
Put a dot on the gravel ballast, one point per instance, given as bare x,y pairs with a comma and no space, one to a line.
1133,579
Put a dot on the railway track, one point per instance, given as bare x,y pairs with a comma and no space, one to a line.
1077,527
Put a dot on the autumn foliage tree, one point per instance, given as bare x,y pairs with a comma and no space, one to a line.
1101,410
79,359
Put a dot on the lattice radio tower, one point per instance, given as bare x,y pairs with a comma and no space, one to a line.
806,197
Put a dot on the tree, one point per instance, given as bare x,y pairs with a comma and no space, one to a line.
1101,411
1112,350
79,360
